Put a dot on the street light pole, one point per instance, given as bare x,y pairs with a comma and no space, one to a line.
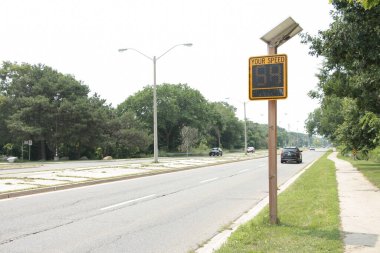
297,135
155,128
154,59
245,125
56,99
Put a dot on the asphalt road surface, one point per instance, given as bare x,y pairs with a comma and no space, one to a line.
173,212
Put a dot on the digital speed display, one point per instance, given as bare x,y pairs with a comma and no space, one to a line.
268,77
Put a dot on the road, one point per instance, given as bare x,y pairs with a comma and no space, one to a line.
173,212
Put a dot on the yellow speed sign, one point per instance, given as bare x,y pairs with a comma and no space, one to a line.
268,77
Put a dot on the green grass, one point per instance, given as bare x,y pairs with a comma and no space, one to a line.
309,218
370,169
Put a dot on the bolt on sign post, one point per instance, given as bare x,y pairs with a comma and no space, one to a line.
268,81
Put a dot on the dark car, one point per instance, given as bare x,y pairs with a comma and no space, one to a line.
291,154
216,152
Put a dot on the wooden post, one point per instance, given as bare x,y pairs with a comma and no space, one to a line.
272,148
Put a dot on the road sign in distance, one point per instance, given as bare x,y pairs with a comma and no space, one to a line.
268,77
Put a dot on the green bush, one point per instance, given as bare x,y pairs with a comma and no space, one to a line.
374,155
8,149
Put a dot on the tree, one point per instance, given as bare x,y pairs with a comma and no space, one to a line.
225,126
81,124
178,105
356,130
352,55
4,113
350,72
367,4
8,148
32,119
129,136
326,119
257,135
50,108
189,137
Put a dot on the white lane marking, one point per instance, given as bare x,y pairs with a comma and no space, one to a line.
242,171
127,202
208,180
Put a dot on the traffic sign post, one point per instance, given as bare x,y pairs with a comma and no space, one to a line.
268,78
268,81
272,153
29,143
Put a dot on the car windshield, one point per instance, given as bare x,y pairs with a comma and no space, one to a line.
290,149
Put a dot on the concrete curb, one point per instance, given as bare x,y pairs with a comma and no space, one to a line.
13,194
218,240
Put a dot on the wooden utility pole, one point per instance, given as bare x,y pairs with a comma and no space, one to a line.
268,81
272,148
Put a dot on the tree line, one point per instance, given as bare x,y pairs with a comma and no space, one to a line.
56,112
349,80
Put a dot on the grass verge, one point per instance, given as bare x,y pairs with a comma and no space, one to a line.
308,213
370,169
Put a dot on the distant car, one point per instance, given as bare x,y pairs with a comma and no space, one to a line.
12,159
291,154
312,148
216,152
250,150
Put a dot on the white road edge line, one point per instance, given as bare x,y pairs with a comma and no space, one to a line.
208,180
242,171
127,202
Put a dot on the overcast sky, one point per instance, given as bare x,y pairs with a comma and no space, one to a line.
82,38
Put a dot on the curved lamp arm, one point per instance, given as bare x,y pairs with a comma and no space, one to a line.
167,51
125,49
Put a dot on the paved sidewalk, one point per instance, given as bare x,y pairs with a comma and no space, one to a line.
359,208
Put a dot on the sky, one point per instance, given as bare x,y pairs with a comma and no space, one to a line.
82,38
